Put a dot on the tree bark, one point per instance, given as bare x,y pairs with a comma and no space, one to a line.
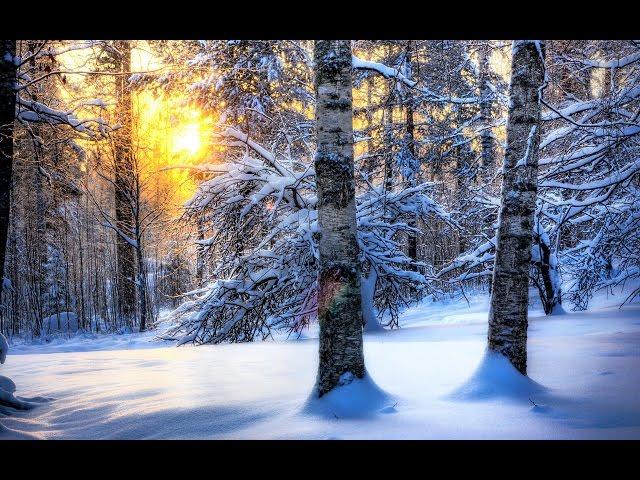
510,290
339,298
547,265
7,117
412,238
142,286
487,151
124,183
200,252
41,187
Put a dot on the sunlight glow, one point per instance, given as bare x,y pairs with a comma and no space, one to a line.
187,139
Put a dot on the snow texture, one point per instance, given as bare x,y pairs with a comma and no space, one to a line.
496,377
353,398
588,363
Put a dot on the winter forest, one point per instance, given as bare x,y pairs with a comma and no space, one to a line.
330,239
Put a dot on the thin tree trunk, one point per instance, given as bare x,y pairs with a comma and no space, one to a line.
369,310
200,252
41,186
141,282
339,299
7,117
412,240
510,291
142,288
369,118
462,192
547,265
42,238
124,184
387,123
487,151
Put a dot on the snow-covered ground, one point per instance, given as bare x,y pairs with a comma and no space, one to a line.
585,371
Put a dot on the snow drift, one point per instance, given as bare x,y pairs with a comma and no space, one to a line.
497,377
353,398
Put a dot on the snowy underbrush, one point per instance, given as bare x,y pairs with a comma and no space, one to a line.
82,341
70,339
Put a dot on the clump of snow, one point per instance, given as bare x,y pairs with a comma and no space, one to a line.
7,388
63,322
497,377
8,402
352,398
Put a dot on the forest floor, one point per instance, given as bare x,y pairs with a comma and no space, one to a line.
434,370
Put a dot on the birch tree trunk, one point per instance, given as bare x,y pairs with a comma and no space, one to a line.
339,299
124,195
7,116
510,290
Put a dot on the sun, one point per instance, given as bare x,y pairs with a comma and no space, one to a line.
187,139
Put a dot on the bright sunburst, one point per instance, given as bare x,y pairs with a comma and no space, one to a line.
187,139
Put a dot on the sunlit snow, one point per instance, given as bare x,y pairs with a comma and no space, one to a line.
432,378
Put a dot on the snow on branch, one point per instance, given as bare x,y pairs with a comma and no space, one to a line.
427,94
264,221
32,111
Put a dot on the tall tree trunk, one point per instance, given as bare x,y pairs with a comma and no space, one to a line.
388,133
510,291
369,280
141,282
7,117
124,181
461,186
42,188
339,299
487,151
142,287
369,119
412,240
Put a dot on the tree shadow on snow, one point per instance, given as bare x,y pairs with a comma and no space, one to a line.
112,422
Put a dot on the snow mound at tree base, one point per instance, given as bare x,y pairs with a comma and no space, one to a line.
497,377
353,398
9,402
558,309
7,384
